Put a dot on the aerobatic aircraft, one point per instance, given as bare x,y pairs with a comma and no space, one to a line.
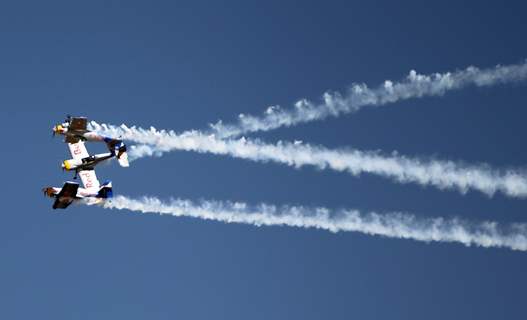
81,159
75,129
91,193
84,165
71,192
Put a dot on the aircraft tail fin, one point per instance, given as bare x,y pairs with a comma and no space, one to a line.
123,160
105,191
118,148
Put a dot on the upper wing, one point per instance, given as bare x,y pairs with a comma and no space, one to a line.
89,180
66,195
78,150
78,124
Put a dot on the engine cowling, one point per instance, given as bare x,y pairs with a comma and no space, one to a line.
71,164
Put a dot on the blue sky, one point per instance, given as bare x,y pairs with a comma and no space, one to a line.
183,65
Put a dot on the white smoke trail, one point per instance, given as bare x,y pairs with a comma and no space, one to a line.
440,174
359,96
394,225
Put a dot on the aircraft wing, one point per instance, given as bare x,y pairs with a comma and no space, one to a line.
89,180
66,195
78,150
78,124
72,139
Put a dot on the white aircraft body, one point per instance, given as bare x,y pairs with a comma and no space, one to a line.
82,160
92,191
74,129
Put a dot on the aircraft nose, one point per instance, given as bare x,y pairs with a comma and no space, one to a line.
58,129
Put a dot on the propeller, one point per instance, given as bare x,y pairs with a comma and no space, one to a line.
57,129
